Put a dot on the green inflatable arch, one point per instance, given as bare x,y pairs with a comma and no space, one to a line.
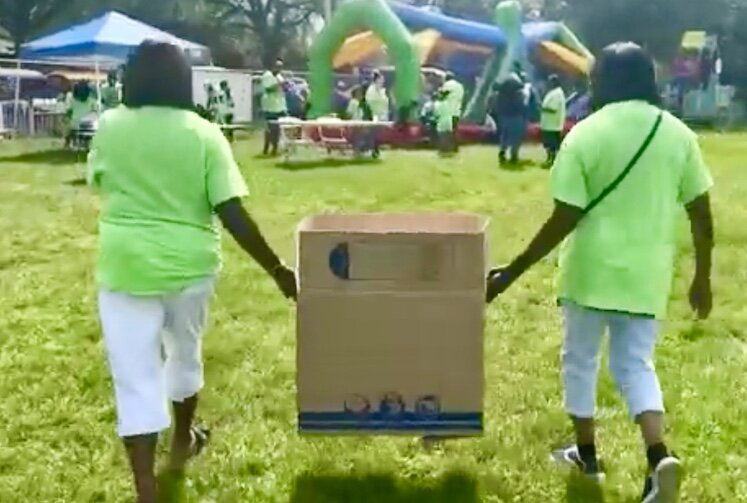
349,18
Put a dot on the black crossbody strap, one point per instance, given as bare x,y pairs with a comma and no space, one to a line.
637,157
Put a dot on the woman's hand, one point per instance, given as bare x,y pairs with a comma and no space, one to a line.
285,277
701,297
499,280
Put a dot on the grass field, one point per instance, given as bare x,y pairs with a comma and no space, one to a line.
57,440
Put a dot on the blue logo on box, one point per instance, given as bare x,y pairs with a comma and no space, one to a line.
390,413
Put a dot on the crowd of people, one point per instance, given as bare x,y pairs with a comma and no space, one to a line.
512,106
159,244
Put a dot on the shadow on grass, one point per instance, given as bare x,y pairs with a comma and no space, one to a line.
581,490
77,182
451,488
172,487
54,156
326,163
519,166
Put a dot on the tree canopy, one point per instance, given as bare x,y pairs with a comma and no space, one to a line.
243,32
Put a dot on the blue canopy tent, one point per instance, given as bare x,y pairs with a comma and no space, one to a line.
108,39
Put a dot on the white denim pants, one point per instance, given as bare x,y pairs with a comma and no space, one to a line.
632,342
154,347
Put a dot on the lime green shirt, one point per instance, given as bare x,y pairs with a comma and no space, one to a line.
111,95
444,116
455,97
553,111
378,102
161,172
273,96
620,257
354,110
79,110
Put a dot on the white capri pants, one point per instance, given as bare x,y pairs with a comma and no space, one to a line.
632,342
154,347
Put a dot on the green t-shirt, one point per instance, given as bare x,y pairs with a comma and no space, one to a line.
354,110
111,95
378,102
620,258
553,111
79,110
443,111
455,97
161,172
273,96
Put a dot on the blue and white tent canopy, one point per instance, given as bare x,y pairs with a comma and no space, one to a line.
110,38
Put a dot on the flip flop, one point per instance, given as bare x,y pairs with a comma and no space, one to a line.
200,438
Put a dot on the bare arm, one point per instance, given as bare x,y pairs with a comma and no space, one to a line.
245,231
564,219
701,227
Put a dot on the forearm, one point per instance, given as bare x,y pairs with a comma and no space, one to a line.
560,224
246,233
701,227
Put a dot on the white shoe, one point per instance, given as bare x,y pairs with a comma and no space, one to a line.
663,485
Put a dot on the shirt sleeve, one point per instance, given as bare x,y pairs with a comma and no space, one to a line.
224,179
568,179
696,178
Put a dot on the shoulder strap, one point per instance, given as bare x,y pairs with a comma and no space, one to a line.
624,174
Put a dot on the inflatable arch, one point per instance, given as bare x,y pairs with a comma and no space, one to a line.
350,17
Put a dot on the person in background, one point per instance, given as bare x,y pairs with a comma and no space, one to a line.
212,106
226,107
443,110
511,111
455,98
354,112
552,121
377,97
111,92
377,101
159,253
494,110
620,181
81,104
354,109
226,103
274,106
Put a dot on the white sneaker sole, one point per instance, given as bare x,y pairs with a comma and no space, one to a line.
667,484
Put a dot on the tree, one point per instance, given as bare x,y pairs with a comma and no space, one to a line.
274,24
24,18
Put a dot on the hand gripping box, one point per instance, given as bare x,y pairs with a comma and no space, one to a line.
390,324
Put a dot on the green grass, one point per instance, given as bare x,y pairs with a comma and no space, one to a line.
57,440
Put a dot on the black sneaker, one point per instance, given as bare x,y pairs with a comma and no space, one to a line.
570,458
663,485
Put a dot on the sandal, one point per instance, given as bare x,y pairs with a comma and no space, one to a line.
200,438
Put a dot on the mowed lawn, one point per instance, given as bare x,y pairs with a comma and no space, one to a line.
57,439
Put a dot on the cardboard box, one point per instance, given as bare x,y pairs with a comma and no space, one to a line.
390,324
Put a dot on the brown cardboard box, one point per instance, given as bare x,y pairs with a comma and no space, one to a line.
390,324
